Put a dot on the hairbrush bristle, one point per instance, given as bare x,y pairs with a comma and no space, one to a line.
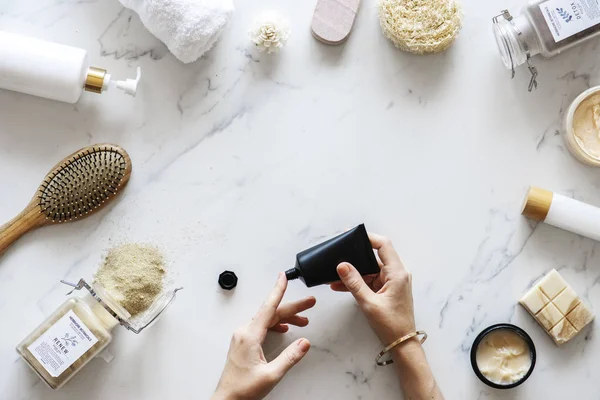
83,183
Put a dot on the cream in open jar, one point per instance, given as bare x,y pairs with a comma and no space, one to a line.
503,356
582,127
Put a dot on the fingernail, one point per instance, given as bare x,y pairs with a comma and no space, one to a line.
304,345
343,270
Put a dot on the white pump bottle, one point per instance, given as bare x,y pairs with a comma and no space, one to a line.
51,70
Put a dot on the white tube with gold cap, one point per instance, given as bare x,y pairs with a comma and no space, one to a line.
563,212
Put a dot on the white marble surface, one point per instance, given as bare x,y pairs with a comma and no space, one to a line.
241,160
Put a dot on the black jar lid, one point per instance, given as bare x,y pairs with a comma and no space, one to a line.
497,327
228,280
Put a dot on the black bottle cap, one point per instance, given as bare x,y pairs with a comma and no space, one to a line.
292,274
228,280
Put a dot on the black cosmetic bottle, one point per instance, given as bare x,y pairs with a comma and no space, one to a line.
318,265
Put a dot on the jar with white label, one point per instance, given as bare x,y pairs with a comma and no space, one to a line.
74,334
545,27
78,331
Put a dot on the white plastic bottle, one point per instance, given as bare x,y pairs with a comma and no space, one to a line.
51,70
563,212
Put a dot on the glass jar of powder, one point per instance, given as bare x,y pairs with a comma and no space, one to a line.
545,27
74,334
78,331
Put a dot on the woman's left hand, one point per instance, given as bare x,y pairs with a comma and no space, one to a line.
247,374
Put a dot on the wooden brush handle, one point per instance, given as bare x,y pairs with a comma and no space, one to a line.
27,220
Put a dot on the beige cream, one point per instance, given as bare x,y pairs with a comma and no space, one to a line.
586,125
582,127
503,357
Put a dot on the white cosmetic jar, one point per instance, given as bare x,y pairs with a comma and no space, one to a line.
574,144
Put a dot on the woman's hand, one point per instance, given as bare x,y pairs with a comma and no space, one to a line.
385,299
247,374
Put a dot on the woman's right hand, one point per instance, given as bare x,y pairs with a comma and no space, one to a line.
386,299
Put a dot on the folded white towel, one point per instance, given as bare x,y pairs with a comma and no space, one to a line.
189,28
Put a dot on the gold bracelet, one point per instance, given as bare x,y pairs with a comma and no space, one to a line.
396,343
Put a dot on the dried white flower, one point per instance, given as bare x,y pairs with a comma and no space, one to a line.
270,32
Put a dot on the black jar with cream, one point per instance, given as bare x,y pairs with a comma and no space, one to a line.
503,356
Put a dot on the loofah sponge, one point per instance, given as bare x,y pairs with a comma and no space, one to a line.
420,26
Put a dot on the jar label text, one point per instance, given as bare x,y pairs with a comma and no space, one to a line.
566,18
62,344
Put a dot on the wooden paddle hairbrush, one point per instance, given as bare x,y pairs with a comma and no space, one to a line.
76,187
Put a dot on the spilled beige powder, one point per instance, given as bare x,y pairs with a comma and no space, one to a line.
133,274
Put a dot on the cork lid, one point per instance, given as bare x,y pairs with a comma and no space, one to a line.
537,203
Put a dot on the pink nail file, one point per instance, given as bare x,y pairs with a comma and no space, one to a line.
333,20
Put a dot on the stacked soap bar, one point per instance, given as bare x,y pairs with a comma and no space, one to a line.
557,308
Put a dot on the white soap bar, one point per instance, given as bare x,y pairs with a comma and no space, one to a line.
556,307
552,284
